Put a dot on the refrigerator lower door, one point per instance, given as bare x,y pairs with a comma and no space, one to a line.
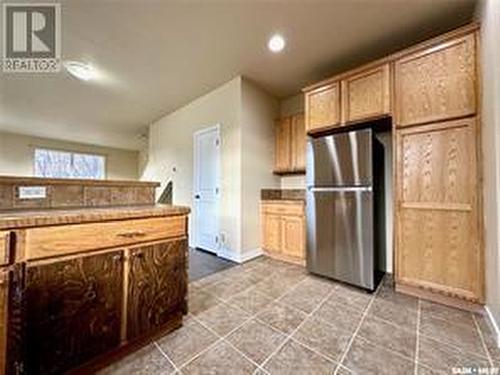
340,234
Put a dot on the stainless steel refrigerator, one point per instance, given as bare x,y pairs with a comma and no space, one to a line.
345,207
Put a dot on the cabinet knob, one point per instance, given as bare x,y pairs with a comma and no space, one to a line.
139,254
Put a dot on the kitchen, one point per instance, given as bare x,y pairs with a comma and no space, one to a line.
351,225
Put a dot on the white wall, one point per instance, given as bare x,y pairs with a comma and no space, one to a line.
490,32
16,156
171,153
258,113
246,115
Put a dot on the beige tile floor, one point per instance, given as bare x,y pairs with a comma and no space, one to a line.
269,317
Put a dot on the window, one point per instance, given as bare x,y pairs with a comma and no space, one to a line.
63,164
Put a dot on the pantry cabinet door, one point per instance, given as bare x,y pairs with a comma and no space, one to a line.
73,311
438,242
436,83
157,286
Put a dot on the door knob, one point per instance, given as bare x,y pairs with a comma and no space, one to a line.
197,196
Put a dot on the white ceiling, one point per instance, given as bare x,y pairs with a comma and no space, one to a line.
155,56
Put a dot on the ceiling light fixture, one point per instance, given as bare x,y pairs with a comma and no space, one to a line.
80,70
276,43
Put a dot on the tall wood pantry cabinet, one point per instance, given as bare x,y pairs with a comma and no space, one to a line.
438,215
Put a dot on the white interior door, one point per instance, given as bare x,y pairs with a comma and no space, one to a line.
206,188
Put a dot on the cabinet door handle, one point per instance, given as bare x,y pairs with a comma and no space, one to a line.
138,254
131,234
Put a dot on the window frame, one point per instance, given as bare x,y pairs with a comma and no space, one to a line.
72,152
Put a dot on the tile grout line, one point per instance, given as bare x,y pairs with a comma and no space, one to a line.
289,337
166,356
452,345
251,317
365,313
417,340
485,347
224,338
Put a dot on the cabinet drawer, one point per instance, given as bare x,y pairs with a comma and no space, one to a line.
283,208
66,239
4,248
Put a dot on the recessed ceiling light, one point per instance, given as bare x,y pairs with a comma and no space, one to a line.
80,70
276,43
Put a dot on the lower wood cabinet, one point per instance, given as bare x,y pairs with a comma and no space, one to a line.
157,286
4,292
73,311
284,230
271,232
11,320
79,308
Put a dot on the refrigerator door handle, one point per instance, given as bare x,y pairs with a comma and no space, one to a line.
340,189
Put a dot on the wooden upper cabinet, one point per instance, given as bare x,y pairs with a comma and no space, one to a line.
298,143
366,95
283,143
157,286
436,83
290,145
323,107
73,311
437,219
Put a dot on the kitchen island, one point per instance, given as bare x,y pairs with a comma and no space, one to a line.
81,287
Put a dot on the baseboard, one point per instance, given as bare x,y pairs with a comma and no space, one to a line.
237,257
228,254
493,325
251,254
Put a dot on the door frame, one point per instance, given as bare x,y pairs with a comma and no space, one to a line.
196,134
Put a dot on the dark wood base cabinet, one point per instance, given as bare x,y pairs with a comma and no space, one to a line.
12,329
74,311
80,312
157,286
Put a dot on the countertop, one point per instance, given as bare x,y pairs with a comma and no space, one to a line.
13,219
283,194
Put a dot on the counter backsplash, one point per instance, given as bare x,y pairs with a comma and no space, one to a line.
39,193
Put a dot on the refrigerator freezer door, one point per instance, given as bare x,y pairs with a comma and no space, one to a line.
343,159
340,235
